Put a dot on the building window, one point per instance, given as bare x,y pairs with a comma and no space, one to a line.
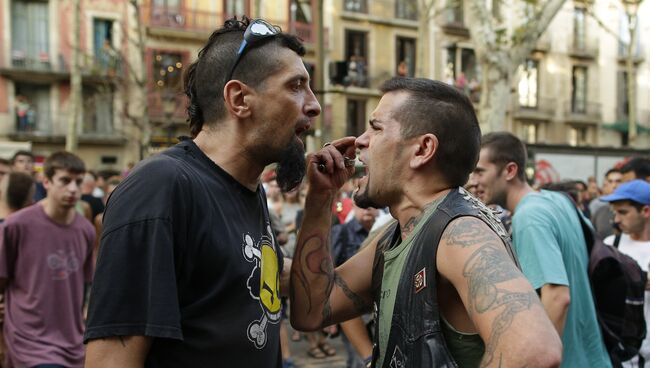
167,13
529,132
405,57
406,9
301,20
169,5
301,11
496,9
98,110
30,34
579,29
528,84
454,12
462,71
624,36
579,91
358,6
32,108
578,136
106,57
167,70
356,56
235,7
356,117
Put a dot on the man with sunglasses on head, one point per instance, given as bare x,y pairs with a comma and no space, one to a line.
189,271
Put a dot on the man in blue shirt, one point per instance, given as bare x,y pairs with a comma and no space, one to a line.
550,246
347,237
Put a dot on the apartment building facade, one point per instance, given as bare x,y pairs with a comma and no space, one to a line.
571,92
35,60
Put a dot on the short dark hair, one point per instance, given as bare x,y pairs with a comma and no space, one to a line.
63,160
18,190
206,77
437,108
639,206
612,171
565,186
21,153
504,148
639,165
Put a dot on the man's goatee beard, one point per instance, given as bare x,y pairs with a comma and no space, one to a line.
291,168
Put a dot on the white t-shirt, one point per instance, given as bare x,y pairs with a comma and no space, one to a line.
640,252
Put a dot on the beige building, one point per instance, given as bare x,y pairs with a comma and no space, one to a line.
571,91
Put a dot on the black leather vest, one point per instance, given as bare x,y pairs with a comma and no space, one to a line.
416,339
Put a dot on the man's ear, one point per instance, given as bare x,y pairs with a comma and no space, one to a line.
236,98
645,211
424,150
46,182
510,170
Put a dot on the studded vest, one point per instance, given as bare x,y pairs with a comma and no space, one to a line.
416,338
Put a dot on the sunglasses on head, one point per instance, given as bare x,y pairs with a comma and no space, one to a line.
256,31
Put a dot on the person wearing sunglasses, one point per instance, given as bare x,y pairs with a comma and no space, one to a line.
189,272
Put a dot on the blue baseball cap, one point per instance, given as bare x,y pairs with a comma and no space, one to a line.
636,190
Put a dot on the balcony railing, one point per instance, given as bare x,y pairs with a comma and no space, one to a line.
167,109
305,31
21,60
357,6
544,109
182,19
584,47
588,112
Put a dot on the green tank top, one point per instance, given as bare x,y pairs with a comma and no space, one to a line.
466,349
394,260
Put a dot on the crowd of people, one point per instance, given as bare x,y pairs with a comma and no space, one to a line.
433,250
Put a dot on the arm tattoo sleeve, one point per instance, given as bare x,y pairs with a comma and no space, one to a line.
486,270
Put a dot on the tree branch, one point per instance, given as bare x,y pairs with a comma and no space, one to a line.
524,45
602,25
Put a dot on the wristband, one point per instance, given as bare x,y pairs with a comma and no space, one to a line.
368,362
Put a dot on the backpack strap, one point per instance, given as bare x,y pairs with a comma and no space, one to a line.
617,240
587,230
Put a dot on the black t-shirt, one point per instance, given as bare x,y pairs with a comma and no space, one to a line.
182,252
96,204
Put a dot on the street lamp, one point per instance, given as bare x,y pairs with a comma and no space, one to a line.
631,10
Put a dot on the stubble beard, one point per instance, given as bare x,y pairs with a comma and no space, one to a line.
362,198
499,198
291,167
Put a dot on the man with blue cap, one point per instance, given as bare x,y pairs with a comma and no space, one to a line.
630,203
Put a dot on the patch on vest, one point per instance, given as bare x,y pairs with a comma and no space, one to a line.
398,360
420,280
486,213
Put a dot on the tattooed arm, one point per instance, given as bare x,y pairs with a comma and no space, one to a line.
321,295
500,302
118,352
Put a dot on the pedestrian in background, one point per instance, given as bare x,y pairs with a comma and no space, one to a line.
45,264
550,246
